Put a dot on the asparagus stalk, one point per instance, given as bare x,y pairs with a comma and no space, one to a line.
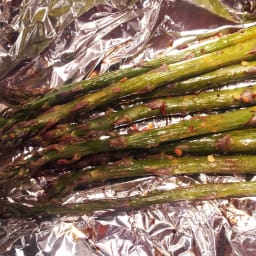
206,101
65,93
190,192
136,85
214,79
238,141
198,125
128,168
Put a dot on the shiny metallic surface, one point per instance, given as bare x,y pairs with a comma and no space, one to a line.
72,39
216,227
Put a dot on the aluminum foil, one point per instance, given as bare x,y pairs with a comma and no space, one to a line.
76,39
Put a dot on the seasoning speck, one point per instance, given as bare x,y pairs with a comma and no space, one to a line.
211,158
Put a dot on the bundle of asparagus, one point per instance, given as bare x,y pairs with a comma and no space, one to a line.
68,132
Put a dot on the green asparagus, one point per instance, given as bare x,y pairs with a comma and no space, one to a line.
211,80
206,101
65,93
140,84
128,168
189,192
198,125
238,141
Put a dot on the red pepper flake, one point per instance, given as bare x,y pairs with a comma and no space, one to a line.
202,50
252,51
190,56
68,139
221,52
247,96
158,171
116,89
163,108
64,161
75,158
94,134
219,34
146,89
134,128
57,147
118,142
182,47
102,230
123,79
93,74
211,196
79,106
154,104
162,68
123,120
224,143
178,152
12,135
245,99
48,125
191,128
152,222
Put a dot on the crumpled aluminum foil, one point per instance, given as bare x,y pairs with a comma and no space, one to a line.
108,35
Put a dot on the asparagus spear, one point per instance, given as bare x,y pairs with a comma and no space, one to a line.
67,92
128,168
70,153
198,125
190,192
206,101
214,79
238,141
136,85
